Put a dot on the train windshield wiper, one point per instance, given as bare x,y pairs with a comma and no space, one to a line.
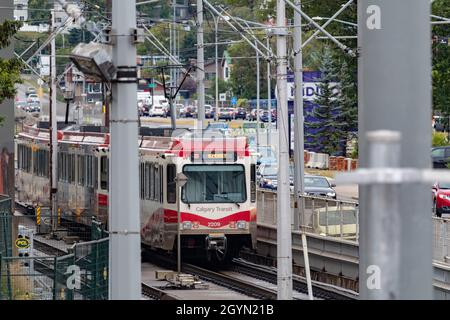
225,197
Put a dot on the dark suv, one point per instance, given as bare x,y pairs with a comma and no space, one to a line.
440,156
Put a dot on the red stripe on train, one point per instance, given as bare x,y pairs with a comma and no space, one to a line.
170,216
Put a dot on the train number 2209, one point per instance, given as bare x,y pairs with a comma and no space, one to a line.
213,224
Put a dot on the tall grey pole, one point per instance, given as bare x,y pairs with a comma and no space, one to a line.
284,231
54,125
299,140
216,24
200,66
298,115
124,208
269,98
257,100
402,68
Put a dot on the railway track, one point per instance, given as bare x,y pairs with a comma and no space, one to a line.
217,277
320,290
236,284
155,293
48,248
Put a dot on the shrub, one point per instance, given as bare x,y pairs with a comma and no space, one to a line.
439,139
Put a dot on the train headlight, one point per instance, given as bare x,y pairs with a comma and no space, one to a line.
187,225
241,225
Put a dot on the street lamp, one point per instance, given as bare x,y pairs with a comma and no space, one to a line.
180,180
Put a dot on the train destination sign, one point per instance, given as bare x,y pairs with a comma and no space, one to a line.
213,156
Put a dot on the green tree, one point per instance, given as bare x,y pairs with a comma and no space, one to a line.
9,68
329,131
243,72
39,11
222,84
441,60
347,101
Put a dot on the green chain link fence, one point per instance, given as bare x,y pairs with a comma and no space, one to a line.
36,264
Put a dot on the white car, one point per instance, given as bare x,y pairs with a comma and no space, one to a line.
33,98
157,111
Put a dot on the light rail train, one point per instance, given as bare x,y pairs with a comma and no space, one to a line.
217,204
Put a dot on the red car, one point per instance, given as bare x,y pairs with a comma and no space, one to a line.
441,198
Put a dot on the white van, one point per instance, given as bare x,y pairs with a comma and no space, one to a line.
160,107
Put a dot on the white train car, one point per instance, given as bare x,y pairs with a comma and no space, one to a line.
217,204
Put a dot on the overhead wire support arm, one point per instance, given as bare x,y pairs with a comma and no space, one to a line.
345,6
325,32
247,30
237,30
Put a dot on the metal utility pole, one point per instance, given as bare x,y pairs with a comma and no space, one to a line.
257,100
269,98
402,69
299,140
216,25
200,66
284,231
124,243
53,126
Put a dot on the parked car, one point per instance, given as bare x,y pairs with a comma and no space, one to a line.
240,113
319,186
226,114
34,107
251,116
22,105
190,112
30,90
267,176
441,198
33,98
157,111
209,112
142,110
264,116
440,157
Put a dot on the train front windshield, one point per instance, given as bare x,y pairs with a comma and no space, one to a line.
214,184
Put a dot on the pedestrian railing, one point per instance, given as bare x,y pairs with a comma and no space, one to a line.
441,240
321,215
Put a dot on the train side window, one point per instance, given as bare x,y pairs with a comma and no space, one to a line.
140,180
81,170
157,191
87,172
147,181
152,182
253,183
47,164
104,178
95,172
35,163
161,188
171,185
59,167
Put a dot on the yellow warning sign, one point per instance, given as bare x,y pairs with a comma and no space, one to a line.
22,243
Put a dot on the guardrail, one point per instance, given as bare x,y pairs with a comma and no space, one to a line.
339,219
322,216
441,240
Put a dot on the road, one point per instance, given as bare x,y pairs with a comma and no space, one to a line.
87,115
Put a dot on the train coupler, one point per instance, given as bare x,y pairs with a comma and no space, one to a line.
216,242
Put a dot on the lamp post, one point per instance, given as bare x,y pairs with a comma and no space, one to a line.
180,181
